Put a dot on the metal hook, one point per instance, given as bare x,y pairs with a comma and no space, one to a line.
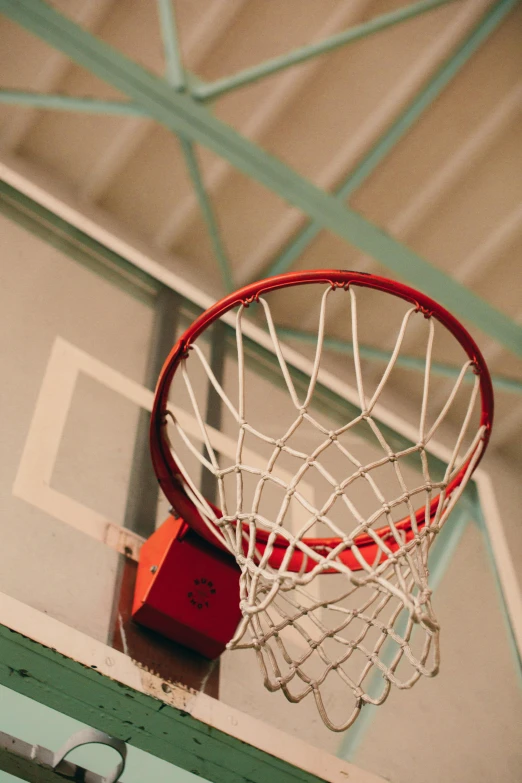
88,737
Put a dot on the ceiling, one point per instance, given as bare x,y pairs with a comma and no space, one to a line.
413,119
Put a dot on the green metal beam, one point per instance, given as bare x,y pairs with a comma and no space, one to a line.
304,53
99,259
478,517
175,75
184,116
500,382
70,103
207,212
174,71
129,278
77,245
120,272
299,243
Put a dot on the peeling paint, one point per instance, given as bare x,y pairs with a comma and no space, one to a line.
121,696
123,636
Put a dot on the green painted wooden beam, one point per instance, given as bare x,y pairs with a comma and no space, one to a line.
300,242
304,53
184,116
207,212
148,723
70,103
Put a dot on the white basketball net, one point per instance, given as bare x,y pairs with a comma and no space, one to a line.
350,634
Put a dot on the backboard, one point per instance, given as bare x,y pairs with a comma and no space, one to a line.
82,353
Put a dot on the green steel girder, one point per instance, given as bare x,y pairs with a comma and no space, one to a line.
177,77
175,73
367,165
212,90
180,79
104,262
181,114
417,363
71,103
479,519
207,212
76,244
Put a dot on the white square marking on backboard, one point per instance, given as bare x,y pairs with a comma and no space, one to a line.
33,479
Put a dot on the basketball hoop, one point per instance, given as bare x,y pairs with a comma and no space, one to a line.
303,638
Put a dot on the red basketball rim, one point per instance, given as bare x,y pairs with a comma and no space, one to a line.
169,475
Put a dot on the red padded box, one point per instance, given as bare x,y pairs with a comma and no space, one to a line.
187,590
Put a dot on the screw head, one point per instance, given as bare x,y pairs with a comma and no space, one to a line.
153,569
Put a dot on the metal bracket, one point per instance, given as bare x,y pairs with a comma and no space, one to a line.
90,736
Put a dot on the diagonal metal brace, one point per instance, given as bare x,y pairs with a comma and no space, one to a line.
184,116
